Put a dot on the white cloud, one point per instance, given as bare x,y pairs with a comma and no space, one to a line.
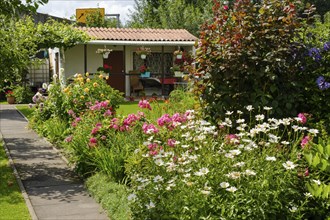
67,8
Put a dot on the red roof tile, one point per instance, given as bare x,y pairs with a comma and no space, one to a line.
133,34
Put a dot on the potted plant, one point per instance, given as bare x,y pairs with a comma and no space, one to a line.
10,97
144,70
105,68
177,70
178,54
104,51
143,52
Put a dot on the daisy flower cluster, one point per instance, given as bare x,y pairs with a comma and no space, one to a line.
191,156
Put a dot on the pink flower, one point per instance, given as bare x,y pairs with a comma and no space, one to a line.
165,119
302,118
304,141
92,142
69,138
171,142
71,113
107,113
78,119
144,104
306,172
149,128
95,130
225,7
232,139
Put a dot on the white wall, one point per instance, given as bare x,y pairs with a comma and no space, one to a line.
74,59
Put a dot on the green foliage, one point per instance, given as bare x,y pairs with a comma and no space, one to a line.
21,39
85,91
318,158
316,63
23,94
10,194
111,195
176,14
15,8
245,56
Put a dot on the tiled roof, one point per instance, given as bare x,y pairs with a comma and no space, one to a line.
134,34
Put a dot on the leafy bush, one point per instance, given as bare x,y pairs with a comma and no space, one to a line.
188,169
111,195
23,94
248,55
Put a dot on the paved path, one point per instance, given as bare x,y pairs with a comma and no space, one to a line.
53,191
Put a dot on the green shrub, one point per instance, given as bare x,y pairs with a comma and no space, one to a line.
111,195
23,94
246,55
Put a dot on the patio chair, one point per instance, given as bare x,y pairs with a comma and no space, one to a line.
136,85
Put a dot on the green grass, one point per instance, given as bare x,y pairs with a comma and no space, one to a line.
26,111
128,108
12,204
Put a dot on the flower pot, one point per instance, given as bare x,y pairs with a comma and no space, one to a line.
106,55
179,56
11,100
143,56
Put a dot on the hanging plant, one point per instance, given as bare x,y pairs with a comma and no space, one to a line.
104,51
143,52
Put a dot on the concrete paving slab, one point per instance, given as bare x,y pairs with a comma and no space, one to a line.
59,194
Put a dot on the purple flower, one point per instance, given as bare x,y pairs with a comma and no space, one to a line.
326,46
322,84
315,54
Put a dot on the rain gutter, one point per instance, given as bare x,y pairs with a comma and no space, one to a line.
145,43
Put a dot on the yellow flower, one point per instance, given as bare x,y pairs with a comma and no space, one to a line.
65,90
87,74
95,84
101,76
88,80
86,90
79,75
81,83
102,95
82,97
107,77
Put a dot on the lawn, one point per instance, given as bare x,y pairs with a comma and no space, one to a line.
11,201
26,111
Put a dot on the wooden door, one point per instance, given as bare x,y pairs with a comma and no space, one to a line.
117,73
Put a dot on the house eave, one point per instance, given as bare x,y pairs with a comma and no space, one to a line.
144,43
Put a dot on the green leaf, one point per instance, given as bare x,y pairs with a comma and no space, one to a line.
316,160
320,148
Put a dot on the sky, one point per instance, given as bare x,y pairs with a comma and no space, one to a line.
67,8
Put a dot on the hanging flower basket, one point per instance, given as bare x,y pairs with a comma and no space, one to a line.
178,74
178,54
143,52
105,52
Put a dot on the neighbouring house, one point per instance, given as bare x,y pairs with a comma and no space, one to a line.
125,63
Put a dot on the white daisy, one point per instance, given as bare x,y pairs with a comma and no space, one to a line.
289,165
231,189
224,185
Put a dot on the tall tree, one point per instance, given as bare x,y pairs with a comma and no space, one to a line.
186,14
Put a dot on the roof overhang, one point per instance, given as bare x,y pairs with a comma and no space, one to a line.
144,43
